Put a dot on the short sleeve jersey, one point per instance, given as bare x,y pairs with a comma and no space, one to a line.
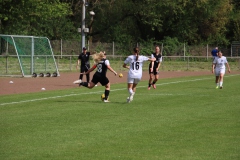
158,59
135,70
102,67
84,58
220,62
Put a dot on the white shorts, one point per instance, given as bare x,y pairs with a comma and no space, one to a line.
219,71
133,80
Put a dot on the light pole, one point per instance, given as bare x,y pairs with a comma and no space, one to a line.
90,27
84,30
83,25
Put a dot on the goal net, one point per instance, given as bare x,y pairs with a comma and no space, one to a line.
27,56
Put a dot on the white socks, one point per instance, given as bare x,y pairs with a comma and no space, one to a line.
130,91
221,83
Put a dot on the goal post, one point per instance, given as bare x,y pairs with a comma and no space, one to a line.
34,54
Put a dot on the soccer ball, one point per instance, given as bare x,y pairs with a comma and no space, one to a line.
120,75
103,96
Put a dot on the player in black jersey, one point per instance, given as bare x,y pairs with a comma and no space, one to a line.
102,65
85,64
154,68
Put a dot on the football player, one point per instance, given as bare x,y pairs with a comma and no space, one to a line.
219,66
134,63
154,68
102,64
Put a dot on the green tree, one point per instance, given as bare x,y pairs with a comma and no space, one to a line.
30,17
126,21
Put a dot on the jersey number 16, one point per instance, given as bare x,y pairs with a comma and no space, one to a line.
135,65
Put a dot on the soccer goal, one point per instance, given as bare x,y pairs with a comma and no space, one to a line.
33,54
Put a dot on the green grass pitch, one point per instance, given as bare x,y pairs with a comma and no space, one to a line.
184,118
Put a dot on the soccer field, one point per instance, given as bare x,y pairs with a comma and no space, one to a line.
184,118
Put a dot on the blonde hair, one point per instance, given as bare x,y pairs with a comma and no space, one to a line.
98,57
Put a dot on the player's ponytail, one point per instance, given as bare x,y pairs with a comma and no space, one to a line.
98,57
136,51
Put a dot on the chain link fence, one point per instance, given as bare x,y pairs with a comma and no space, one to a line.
175,58
73,47
67,63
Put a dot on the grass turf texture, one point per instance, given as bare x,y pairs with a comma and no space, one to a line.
184,118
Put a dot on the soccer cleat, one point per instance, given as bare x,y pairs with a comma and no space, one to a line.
221,87
102,97
217,87
105,101
128,100
149,88
77,81
131,97
154,86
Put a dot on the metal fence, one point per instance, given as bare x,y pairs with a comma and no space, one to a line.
67,63
180,57
73,47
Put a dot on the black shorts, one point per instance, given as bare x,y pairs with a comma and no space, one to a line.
84,68
97,78
154,72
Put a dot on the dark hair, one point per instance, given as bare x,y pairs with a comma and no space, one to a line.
158,47
136,50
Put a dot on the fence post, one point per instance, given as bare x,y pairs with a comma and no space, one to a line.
113,48
32,54
162,64
70,65
188,63
6,64
57,61
61,48
184,50
207,51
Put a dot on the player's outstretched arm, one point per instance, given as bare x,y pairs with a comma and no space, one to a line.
110,68
152,59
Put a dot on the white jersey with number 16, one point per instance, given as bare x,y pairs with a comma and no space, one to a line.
220,62
135,70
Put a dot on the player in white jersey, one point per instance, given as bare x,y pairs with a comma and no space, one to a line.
219,65
135,62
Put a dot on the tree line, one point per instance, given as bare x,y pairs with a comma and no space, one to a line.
126,21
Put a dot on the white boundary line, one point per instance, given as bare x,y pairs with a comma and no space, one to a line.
40,99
